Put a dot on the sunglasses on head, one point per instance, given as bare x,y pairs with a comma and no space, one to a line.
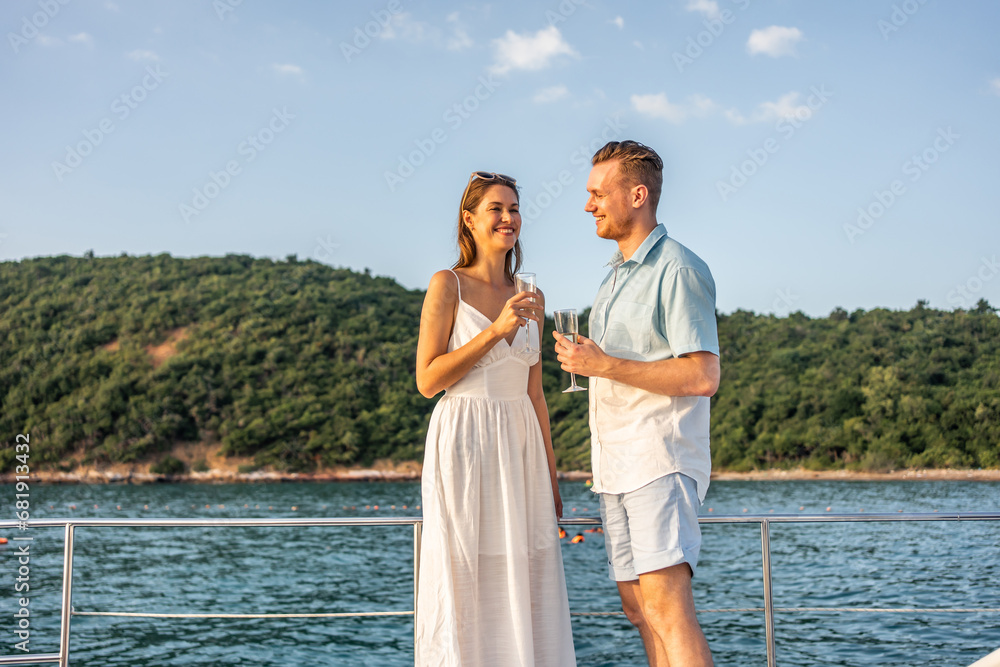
485,176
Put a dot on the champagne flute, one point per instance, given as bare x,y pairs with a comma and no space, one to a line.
567,325
525,282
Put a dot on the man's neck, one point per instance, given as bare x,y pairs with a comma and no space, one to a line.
629,244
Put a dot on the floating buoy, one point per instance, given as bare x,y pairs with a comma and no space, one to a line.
710,509
3,540
376,507
577,538
118,507
145,507
418,506
167,507
368,507
801,508
222,507
392,507
745,510
828,509
594,530
95,506
562,532
270,507
208,507
589,482
404,507
246,506
72,507
295,508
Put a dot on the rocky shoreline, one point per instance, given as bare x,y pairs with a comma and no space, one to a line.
410,471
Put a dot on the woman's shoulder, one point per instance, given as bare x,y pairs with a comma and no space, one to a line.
444,284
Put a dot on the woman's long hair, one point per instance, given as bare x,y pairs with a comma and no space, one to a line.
467,244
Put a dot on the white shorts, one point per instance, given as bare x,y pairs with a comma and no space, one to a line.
651,528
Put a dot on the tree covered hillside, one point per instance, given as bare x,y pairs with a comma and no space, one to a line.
301,365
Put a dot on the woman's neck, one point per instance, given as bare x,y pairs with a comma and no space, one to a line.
490,268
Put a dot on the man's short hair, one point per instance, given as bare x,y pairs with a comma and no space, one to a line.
638,164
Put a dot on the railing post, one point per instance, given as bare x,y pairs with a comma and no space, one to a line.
417,533
67,596
765,549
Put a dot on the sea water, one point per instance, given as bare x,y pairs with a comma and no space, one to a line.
913,565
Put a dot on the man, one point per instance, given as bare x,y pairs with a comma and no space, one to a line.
653,364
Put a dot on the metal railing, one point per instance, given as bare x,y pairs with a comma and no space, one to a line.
69,525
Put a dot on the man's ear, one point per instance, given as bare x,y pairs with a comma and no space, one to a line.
640,194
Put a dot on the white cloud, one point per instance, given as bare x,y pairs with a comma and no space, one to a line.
995,86
551,94
658,106
141,54
709,8
775,41
48,41
786,106
530,52
82,38
618,21
459,39
287,70
406,28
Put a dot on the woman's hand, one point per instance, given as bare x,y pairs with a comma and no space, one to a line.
516,313
557,499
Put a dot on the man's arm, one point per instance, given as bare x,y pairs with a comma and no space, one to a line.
693,374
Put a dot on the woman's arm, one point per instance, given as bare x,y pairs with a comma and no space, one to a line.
438,369
537,397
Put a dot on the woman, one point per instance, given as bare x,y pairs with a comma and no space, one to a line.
491,589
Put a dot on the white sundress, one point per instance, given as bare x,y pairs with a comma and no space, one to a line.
491,589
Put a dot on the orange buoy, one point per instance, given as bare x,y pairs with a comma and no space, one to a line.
3,540
589,482
562,532
577,538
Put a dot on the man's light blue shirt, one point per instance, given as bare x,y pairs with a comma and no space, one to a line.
660,304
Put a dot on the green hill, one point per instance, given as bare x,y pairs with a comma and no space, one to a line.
300,365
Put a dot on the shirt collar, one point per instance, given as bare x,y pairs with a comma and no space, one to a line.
639,256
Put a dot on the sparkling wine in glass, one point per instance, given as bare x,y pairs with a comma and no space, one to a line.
567,325
525,282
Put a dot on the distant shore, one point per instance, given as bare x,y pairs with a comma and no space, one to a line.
410,471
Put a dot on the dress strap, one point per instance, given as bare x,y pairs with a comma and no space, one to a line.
459,284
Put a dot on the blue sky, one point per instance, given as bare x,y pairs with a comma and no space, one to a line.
817,154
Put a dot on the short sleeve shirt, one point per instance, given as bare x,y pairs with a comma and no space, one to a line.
660,304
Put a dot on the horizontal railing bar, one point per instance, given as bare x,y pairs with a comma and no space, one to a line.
862,610
29,659
409,521
346,614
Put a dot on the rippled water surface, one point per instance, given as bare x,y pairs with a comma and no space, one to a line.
302,570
